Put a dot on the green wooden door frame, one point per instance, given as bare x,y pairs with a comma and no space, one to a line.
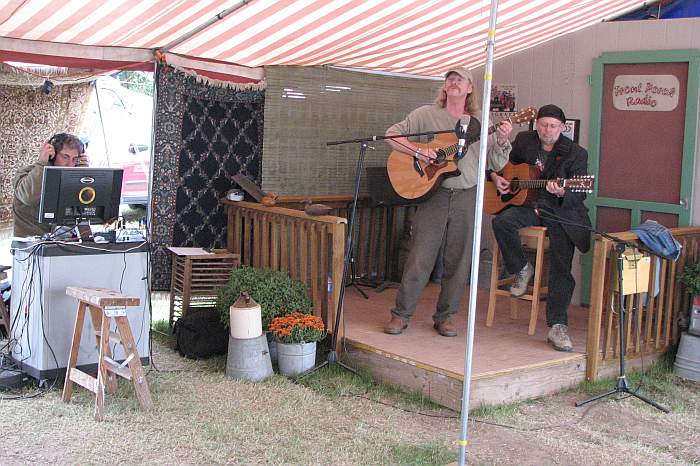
692,57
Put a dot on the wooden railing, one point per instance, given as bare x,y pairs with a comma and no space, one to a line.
651,318
309,248
379,233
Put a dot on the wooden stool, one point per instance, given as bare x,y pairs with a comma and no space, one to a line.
533,238
105,305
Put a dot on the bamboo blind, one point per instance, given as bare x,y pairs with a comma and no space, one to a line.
305,107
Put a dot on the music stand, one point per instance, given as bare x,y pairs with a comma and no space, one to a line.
621,385
354,282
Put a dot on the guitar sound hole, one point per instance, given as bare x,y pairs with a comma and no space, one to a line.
514,187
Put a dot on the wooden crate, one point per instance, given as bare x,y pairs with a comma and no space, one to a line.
197,273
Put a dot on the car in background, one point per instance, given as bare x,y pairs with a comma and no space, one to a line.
118,125
136,175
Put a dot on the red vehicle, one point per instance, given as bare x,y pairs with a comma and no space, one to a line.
136,176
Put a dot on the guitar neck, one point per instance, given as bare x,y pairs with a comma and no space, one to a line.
528,184
452,149
538,184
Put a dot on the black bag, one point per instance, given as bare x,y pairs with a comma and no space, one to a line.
200,334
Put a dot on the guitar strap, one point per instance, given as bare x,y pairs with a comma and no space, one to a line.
473,129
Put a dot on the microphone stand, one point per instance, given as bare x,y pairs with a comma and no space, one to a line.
622,385
332,356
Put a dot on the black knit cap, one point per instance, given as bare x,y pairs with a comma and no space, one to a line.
551,111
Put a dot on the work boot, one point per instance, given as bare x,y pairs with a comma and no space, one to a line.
522,278
396,325
558,337
446,328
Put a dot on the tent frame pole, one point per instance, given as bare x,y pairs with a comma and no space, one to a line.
476,240
201,27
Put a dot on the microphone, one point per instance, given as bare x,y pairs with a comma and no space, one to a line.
461,132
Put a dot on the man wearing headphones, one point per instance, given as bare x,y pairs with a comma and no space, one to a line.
62,150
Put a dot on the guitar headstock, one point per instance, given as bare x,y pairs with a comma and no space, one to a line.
580,184
524,115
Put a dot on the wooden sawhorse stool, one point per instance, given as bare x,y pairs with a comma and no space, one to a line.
105,305
533,238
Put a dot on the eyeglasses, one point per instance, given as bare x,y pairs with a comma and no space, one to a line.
549,125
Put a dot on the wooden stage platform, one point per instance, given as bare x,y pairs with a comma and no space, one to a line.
508,364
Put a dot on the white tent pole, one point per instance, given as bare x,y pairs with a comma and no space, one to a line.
476,241
201,27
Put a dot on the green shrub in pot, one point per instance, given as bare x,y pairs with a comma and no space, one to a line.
274,290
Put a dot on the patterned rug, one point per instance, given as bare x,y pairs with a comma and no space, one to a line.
28,119
203,136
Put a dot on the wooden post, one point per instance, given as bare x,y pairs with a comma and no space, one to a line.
337,261
600,253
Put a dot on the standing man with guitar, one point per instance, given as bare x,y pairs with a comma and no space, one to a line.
561,211
447,215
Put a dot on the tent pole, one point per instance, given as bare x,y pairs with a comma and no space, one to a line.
476,240
201,27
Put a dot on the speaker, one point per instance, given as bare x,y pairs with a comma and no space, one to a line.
380,189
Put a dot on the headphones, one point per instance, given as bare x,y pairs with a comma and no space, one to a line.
58,140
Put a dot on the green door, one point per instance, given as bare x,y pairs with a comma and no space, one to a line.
641,140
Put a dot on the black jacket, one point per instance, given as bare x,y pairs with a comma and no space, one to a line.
566,160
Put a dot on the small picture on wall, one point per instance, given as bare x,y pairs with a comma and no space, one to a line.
503,98
571,129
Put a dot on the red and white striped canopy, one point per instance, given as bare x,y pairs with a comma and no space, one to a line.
403,36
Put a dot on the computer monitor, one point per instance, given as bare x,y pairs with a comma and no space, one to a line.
73,195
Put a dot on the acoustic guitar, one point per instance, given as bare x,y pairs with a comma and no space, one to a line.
524,184
415,179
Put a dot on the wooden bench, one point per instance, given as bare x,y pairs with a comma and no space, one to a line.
104,306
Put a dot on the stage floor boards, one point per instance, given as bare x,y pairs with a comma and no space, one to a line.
503,347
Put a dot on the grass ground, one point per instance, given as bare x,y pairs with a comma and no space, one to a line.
333,417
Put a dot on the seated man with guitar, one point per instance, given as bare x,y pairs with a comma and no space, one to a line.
446,214
560,161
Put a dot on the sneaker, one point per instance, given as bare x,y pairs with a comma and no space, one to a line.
558,336
396,325
446,328
522,279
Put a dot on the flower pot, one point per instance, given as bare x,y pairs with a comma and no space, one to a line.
248,359
272,345
295,358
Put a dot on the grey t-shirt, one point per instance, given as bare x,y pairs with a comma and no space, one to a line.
435,118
